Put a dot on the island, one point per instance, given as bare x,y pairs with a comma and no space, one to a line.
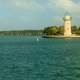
66,31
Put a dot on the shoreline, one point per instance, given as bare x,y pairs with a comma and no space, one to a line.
53,36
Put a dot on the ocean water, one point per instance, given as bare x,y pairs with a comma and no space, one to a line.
29,58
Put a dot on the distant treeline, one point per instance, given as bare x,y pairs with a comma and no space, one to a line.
22,32
59,30
51,30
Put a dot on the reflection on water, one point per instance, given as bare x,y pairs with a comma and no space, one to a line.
24,58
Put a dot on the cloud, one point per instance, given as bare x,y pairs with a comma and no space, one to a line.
66,5
26,4
36,12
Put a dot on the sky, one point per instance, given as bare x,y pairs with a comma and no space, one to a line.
37,14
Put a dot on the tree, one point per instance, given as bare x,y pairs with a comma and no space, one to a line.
52,30
74,29
60,30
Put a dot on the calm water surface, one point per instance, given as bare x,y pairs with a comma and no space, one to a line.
25,58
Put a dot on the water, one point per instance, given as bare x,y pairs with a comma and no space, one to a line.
26,58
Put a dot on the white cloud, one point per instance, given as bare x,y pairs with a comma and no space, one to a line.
57,7
66,5
26,4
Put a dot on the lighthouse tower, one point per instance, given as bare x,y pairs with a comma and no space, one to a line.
67,26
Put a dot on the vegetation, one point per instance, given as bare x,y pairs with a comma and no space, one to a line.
51,30
59,30
24,32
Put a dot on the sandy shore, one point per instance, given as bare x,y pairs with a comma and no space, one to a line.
60,36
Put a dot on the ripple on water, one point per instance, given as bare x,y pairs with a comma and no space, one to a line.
23,58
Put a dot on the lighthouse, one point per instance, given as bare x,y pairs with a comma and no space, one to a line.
67,26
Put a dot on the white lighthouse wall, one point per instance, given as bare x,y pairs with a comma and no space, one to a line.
67,28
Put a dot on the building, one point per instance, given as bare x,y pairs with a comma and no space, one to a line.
67,26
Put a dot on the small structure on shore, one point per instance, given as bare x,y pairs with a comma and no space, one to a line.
67,26
67,30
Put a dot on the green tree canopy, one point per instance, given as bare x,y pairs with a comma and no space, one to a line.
53,30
